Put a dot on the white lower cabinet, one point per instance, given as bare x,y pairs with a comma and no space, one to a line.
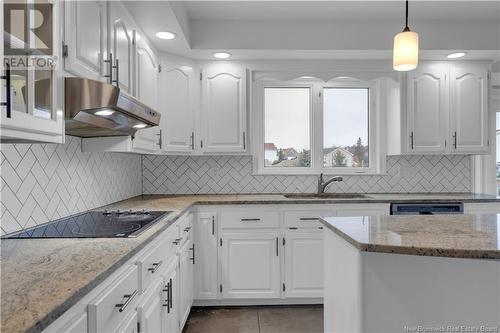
303,264
171,292
186,261
250,265
205,267
78,324
129,324
150,309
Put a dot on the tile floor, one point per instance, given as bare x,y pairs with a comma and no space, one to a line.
256,319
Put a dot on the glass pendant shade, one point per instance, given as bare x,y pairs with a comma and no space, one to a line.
405,56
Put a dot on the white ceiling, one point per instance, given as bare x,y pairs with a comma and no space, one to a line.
319,29
277,10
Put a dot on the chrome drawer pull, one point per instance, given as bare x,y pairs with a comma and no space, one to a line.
155,266
309,219
250,220
177,241
129,298
187,229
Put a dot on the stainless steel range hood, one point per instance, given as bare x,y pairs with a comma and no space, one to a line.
94,109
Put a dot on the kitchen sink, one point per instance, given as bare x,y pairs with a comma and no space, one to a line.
325,196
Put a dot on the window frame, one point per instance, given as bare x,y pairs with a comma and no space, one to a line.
375,133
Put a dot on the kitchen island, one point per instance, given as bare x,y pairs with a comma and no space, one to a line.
412,273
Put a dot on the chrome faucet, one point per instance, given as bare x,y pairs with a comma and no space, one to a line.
323,184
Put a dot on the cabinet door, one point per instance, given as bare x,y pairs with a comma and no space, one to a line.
186,283
121,35
171,321
147,75
178,101
250,265
224,108
85,34
31,114
303,264
129,325
469,109
205,266
426,110
150,311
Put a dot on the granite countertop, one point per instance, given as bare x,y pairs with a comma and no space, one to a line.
455,236
42,278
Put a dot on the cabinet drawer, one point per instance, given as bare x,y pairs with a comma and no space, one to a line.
152,263
250,219
305,219
185,226
108,310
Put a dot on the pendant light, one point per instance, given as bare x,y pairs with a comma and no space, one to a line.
405,53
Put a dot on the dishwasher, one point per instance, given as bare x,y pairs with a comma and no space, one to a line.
427,208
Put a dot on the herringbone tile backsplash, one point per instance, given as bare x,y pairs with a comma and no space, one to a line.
233,174
43,182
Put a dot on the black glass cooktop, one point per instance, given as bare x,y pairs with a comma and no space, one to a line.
94,224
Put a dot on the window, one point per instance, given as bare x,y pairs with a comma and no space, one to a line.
498,152
310,127
286,121
345,127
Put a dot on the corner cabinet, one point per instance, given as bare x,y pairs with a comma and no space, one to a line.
223,108
444,110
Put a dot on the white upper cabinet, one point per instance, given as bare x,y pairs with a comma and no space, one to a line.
146,71
444,110
85,38
179,99
121,43
223,107
469,109
426,107
30,109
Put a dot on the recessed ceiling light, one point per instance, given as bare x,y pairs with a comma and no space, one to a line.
456,55
222,55
165,35
140,126
104,113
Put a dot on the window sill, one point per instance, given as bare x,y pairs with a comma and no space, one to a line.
315,172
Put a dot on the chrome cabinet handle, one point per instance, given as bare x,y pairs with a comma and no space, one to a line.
244,142
110,68
455,140
159,139
187,229
129,298
309,219
411,140
177,241
213,225
7,102
277,254
155,267
250,220
192,249
192,140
